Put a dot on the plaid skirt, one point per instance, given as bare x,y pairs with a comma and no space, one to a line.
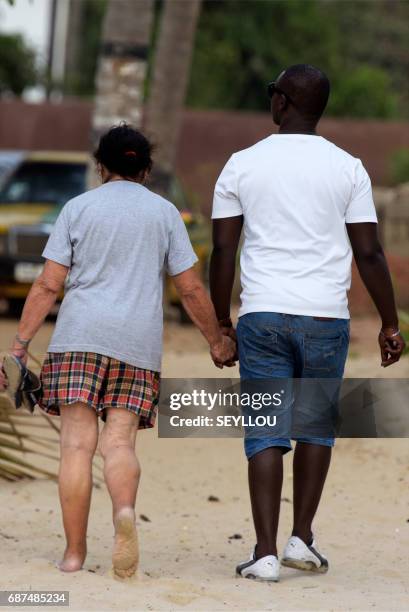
101,382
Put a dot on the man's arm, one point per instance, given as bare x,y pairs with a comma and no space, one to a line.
226,237
200,309
374,271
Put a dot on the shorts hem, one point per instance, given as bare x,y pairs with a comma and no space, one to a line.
285,445
282,444
53,409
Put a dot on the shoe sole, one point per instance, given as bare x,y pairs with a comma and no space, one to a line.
257,578
305,566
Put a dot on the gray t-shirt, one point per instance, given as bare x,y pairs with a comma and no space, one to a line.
118,241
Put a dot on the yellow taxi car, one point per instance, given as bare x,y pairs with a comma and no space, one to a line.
31,197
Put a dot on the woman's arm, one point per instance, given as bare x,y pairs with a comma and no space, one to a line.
200,309
40,300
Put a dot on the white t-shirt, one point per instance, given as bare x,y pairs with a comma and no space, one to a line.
296,193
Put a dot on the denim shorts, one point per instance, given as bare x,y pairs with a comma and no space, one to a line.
283,346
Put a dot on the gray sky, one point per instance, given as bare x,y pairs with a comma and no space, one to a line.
30,18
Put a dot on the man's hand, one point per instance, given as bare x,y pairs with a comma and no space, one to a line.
223,353
227,329
391,344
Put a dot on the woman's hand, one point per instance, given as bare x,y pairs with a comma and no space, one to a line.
21,354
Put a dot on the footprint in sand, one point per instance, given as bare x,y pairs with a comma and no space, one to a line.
125,556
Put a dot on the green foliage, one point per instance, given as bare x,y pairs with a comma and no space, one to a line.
375,33
364,92
241,45
399,166
17,64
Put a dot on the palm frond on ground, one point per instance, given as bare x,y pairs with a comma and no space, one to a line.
26,443
29,444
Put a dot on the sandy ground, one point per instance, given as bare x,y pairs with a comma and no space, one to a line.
188,553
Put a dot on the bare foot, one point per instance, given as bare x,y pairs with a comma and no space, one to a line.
125,556
72,561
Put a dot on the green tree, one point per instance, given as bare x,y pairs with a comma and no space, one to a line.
17,64
364,92
374,35
399,166
241,45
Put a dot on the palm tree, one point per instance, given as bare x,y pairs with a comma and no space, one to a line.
169,83
122,63
76,12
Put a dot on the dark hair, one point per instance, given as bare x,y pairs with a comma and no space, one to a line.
124,151
309,88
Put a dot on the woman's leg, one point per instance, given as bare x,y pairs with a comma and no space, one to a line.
78,441
122,473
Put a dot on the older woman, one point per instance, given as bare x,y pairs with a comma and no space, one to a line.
104,359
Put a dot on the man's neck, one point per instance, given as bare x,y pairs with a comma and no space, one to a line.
298,127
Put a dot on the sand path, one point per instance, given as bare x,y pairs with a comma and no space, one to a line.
189,546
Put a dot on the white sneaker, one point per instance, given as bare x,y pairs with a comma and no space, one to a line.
301,556
264,569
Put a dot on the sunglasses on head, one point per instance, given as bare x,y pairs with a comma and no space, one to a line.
272,89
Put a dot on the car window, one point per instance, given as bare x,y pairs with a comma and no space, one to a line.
44,182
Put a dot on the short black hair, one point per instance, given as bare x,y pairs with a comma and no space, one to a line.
308,87
125,151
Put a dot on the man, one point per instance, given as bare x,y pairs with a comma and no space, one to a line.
306,206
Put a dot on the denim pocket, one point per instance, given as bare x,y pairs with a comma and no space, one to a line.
256,348
322,353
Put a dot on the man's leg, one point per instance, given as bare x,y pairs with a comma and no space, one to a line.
265,354
78,441
265,482
122,473
322,351
311,463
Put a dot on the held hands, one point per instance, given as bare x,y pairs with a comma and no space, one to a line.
391,344
224,352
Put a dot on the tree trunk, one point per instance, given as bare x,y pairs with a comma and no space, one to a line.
73,44
169,83
122,64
